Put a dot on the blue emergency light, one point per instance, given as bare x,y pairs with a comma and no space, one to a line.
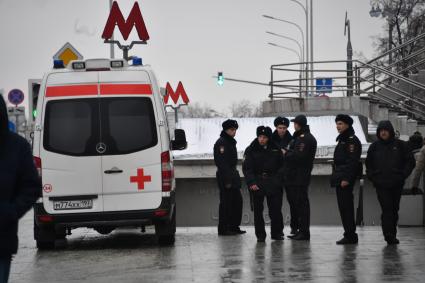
137,61
58,64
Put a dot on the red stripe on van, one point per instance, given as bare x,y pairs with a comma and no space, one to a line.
71,90
113,89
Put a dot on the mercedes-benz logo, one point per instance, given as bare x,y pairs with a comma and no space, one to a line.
101,147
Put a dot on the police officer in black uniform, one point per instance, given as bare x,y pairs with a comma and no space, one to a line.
262,170
346,169
228,179
298,164
388,163
282,137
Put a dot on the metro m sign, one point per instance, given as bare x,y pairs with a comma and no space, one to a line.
135,18
179,97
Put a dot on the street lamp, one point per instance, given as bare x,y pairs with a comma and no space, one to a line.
287,48
299,58
302,36
291,39
377,12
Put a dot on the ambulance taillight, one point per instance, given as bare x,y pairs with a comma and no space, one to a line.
167,171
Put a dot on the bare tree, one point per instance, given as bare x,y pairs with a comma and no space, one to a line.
196,110
405,20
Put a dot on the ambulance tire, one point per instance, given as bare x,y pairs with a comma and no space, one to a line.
166,231
46,238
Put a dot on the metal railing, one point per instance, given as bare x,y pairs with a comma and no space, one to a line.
371,79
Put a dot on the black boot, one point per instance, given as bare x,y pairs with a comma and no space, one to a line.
348,241
392,240
301,236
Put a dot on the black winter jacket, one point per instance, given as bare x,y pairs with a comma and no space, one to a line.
262,166
226,159
390,162
282,142
299,158
346,161
19,183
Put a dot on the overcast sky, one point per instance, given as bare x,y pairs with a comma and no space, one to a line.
190,39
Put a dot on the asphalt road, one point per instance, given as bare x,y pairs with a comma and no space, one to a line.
199,255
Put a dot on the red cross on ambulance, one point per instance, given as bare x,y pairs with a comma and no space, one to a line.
140,179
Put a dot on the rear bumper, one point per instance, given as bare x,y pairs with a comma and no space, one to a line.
163,213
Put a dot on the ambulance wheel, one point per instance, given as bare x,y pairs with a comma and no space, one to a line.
46,237
166,232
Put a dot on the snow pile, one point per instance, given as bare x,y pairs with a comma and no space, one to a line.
202,133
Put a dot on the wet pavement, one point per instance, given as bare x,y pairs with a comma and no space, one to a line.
199,255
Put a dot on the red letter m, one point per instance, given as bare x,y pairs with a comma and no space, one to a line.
180,92
134,19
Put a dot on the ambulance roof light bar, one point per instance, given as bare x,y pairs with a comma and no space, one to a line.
58,64
137,61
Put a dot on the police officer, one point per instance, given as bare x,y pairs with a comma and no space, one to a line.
346,169
388,163
282,137
299,160
262,165
229,182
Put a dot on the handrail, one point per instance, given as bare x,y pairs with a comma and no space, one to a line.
397,48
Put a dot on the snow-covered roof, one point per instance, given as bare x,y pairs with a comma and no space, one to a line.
202,133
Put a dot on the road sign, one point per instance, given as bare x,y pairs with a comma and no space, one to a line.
324,85
68,53
12,127
135,19
16,96
178,97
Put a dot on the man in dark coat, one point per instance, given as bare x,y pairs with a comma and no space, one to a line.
298,165
229,182
346,167
388,163
19,188
262,170
282,137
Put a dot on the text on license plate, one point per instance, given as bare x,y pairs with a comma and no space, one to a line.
73,204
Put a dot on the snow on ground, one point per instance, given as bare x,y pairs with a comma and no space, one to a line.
202,133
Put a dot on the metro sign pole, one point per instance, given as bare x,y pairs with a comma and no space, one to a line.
135,19
175,99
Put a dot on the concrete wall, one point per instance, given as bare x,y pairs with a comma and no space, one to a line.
198,198
197,204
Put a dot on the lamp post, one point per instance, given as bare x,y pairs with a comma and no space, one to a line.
376,12
302,36
300,46
299,58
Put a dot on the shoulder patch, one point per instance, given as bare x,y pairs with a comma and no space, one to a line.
352,148
221,149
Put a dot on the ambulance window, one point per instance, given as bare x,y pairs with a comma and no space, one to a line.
128,124
69,126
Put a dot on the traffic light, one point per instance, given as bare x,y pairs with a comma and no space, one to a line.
220,78
33,91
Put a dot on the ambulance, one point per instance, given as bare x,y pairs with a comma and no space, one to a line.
103,150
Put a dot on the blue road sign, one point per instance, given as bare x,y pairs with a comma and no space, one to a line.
12,127
324,85
16,96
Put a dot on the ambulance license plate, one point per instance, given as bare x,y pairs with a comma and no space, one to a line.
73,204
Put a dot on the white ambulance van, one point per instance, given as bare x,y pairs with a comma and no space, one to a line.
103,150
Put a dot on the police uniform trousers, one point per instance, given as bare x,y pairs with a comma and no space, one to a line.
273,196
291,196
230,207
303,208
389,199
345,199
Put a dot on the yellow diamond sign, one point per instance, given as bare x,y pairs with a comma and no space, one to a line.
68,53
